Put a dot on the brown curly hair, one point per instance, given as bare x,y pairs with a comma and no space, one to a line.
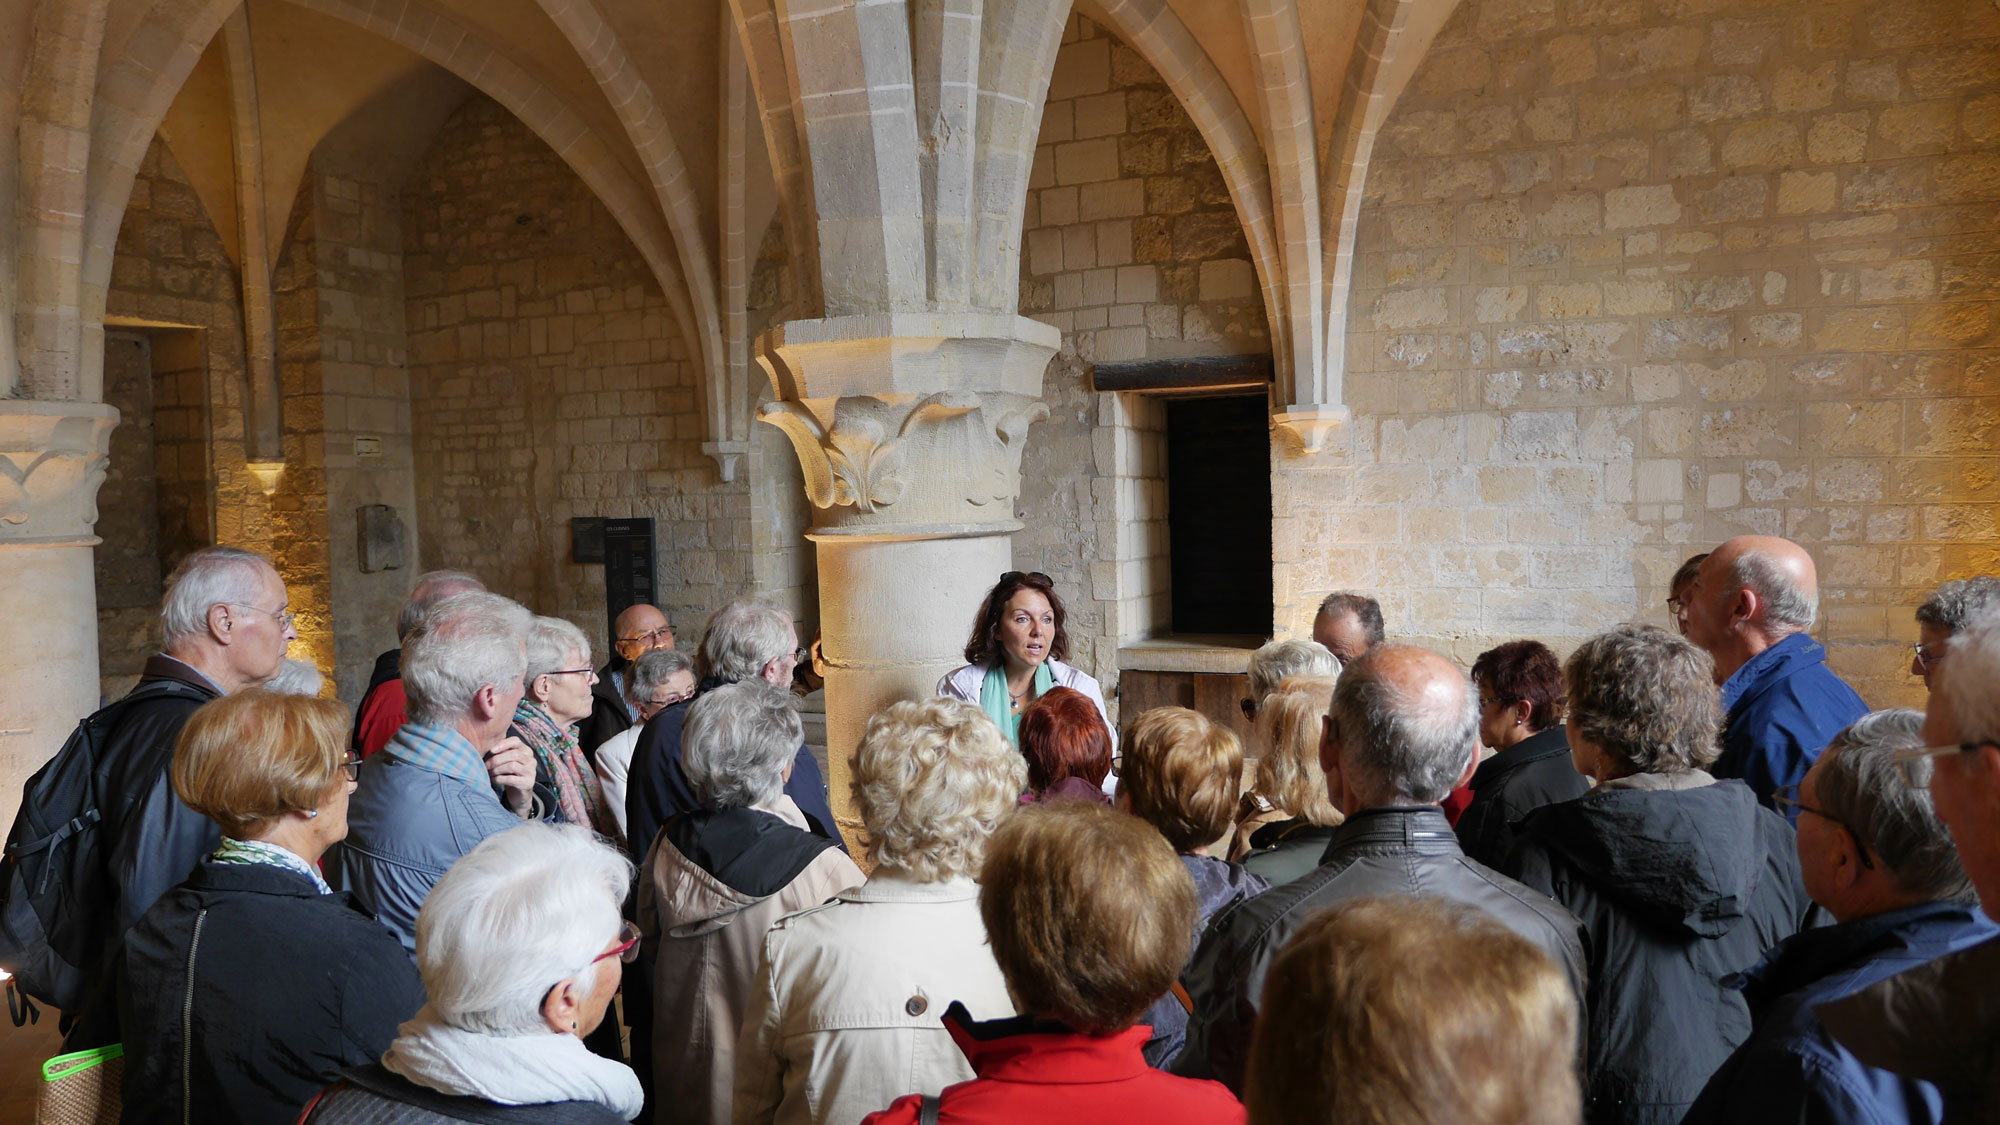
983,648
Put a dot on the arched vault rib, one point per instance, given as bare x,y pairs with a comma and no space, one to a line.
1155,30
135,91
598,45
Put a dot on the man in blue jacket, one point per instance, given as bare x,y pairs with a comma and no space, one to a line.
1874,854
1749,606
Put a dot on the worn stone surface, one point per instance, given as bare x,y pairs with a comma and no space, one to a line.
1758,322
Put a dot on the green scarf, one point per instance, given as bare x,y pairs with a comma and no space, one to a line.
994,700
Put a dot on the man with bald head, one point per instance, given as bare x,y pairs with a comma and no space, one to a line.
1749,606
638,630
1401,733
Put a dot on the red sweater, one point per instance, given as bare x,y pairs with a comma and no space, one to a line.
1034,1071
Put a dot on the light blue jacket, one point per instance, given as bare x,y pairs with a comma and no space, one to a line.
422,802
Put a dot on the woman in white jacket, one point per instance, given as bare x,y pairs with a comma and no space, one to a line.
844,1015
1015,654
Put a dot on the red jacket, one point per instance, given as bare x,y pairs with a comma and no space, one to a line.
1033,1072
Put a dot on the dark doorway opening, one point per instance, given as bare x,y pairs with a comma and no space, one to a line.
1219,513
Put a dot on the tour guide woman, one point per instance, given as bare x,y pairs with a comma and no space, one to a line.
1016,652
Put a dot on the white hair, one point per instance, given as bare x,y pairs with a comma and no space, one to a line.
1789,607
742,637
1394,748
296,677
208,578
527,909
652,670
1279,661
463,644
1970,682
432,587
736,743
552,641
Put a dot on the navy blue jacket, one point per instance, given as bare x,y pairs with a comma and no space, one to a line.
1791,1069
657,789
1783,707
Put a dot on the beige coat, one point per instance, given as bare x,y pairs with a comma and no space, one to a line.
843,1018
707,936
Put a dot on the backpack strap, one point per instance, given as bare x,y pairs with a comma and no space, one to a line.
927,1109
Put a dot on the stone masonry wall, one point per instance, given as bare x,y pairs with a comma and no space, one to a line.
170,269
128,519
1635,276
548,380
1133,248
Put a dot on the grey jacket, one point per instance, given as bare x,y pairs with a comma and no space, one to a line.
406,825
1385,851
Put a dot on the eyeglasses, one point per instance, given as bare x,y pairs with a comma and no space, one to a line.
1677,606
571,672
1786,797
655,706
351,766
1906,760
1494,701
802,656
1033,575
650,638
1928,659
627,949
282,616
1249,707
1117,765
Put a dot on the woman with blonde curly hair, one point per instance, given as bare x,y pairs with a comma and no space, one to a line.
844,1015
1289,775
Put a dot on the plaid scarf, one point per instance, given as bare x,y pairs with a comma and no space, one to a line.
578,797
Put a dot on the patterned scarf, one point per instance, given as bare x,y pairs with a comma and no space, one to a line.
257,851
556,752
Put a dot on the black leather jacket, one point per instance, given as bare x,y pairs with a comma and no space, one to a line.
1383,851
1513,783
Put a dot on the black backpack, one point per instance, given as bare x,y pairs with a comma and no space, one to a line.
55,890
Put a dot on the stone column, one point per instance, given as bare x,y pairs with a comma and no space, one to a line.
52,460
909,429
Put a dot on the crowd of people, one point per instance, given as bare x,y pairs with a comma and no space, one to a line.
1681,875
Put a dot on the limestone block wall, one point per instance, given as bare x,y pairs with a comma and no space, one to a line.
1132,248
171,271
128,519
1637,275
547,380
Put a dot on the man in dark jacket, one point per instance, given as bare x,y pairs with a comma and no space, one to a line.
1749,606
746,639
639,630
225,624
1875,856
1400,735
1940,1022
383,703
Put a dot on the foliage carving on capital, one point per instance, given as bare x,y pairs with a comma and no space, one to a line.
52,462
880,452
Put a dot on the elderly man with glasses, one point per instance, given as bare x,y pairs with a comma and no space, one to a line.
1940,1022
1949,609
224,626
1875,855
640,629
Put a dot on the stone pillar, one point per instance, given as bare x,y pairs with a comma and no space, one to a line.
909,429
52,460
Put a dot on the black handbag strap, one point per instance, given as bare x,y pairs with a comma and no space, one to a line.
927,1109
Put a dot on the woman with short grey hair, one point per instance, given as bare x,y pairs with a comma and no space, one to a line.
1679,879
714,881
520,946
554,699
657,680
843,1017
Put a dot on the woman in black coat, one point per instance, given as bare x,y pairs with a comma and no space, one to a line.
246,987
1679,879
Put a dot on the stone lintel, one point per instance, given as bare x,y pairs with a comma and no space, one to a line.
53,457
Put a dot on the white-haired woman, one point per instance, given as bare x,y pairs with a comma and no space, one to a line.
844,1015
715,880
520,946
555,698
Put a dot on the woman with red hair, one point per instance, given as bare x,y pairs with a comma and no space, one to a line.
1014,656
1068,748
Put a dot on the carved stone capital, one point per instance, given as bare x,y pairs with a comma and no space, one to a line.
53,457
909,425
